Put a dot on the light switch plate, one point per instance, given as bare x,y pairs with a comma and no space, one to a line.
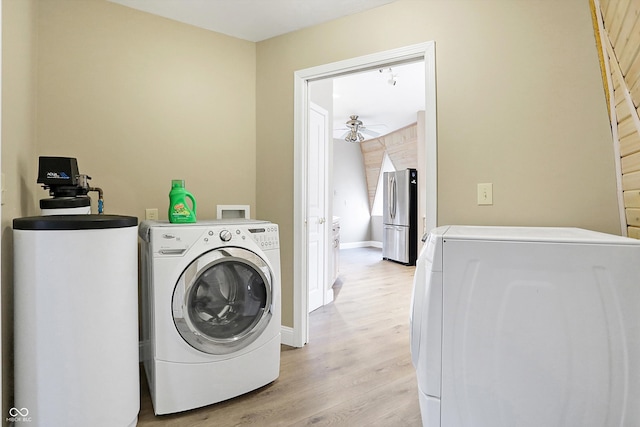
485,194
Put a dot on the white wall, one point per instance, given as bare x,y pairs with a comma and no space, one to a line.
350,201
376,229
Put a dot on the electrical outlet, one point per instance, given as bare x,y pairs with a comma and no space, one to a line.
151,214
485,194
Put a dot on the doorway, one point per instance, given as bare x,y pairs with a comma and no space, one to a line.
303,157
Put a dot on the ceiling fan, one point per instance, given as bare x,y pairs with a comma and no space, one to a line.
355,130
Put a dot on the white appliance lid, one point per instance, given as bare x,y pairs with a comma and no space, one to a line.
531,234
146,225
74,222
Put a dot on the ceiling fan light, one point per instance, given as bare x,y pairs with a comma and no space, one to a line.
354,136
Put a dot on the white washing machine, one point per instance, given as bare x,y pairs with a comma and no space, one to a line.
211,310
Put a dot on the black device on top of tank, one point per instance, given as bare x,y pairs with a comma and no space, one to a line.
61,177
69,188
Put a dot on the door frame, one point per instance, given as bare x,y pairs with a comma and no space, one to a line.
422,51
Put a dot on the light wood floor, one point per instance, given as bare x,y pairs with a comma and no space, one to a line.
355,371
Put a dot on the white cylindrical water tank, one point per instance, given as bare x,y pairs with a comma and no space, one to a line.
76,320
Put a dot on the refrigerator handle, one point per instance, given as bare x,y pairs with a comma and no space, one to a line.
389,196
393,197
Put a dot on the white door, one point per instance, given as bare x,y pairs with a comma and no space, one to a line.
316,205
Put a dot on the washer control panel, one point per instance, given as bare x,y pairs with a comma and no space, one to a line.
266,236
179,240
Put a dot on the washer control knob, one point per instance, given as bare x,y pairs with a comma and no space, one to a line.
225,235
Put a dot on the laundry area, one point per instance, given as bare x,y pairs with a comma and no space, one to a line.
207,224
210,305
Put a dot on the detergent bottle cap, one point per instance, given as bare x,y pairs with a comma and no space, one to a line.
177,183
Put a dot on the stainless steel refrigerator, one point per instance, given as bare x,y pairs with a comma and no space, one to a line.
400,216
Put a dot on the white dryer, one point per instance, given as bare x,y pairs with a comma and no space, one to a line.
528,327
211,310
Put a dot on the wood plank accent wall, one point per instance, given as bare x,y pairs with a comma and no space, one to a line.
621,23
401,147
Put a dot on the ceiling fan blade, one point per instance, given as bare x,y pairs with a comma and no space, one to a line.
371,133
380,126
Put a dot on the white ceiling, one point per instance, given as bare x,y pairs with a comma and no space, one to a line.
382,107
253,20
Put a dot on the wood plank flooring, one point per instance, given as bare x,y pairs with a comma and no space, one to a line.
355,371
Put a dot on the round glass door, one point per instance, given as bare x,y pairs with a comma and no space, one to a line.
222,300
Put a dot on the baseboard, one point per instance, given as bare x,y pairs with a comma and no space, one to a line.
367,244
286,336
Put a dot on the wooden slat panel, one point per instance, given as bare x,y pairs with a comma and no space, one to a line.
608,8
627,126
630,163
635,94
403,149
615,77
371,145
628,22
622,27
633,216
616,20
632,44
372,153
633,232
631,181
622,111
630,144
617,84
632,199
632,76
618,96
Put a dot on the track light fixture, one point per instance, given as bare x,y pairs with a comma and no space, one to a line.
393,78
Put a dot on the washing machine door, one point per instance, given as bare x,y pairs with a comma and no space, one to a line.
222,300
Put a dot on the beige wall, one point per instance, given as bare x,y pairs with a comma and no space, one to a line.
18,151
141,100
520,104
138,99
